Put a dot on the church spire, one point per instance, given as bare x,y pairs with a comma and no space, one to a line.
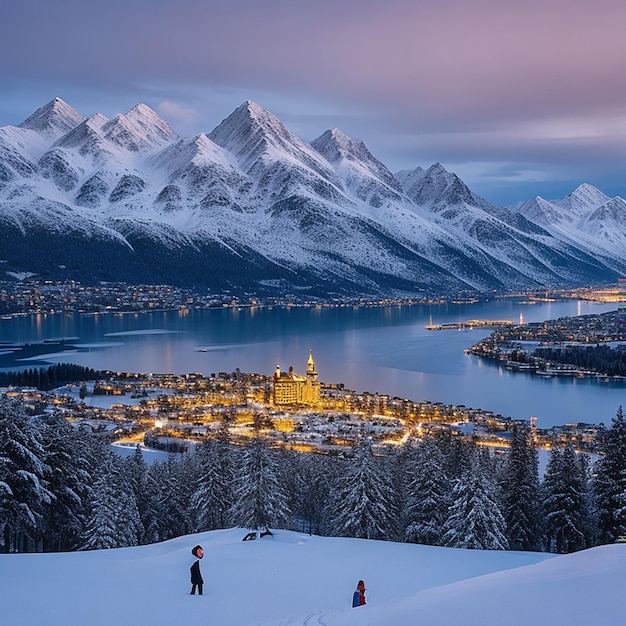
310,366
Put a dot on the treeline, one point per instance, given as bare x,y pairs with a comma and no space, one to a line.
46,378
598,358
65,489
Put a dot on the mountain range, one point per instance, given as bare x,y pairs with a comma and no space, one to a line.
252,208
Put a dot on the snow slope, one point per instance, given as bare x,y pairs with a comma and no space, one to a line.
295,579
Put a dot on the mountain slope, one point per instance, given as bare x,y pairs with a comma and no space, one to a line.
586,218
513,243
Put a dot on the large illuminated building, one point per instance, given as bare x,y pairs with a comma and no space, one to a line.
291,388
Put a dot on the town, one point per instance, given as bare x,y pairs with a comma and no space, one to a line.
573,346
32,296
173,413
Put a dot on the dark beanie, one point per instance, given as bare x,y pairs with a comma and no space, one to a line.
195,549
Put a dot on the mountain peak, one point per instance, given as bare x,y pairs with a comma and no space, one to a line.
143,114
255,109
257,137
335,145
255,117
437,186
584,199
344,152
540,211
139,129
53,119
438,169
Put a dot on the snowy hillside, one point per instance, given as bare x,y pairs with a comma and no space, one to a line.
252,207
294,579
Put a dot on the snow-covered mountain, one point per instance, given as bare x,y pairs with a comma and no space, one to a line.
251,207
53,119
586,218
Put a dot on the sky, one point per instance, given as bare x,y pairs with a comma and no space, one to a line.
293,579
518,98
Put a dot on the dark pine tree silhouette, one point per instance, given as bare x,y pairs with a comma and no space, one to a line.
610,482
520,488
564,503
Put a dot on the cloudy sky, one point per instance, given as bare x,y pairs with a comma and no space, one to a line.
519,97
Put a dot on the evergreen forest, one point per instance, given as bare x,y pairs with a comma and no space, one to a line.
64,489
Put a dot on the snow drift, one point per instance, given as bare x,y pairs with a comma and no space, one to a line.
291,579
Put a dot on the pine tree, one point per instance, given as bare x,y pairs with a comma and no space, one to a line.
101,528
176,479
113,519
474,519
520,488
564,502
24,489
145,491
362,502
67,455
427,503
313,479
610,482
260,500
213,497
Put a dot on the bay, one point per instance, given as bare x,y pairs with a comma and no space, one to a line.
384,349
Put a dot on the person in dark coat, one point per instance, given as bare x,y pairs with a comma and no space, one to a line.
358,598
196,576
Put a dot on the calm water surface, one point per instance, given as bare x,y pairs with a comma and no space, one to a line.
383,349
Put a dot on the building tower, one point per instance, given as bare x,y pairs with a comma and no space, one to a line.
311,391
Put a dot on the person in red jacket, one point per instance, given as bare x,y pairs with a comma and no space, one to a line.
358,598
196,576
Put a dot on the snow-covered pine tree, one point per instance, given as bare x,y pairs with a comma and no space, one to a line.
458,454
113,519
428,493
176,479
520,493
589,506
313,480
260,500
564,502
143,487
362,505
610,481
67,455
213,496
474,518
101,529
24,492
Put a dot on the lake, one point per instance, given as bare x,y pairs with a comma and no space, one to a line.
376,349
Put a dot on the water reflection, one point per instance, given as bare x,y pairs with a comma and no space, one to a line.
383,349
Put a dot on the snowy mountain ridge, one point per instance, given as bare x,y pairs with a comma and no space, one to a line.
250,204
586,216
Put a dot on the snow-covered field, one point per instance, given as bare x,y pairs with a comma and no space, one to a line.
294,579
